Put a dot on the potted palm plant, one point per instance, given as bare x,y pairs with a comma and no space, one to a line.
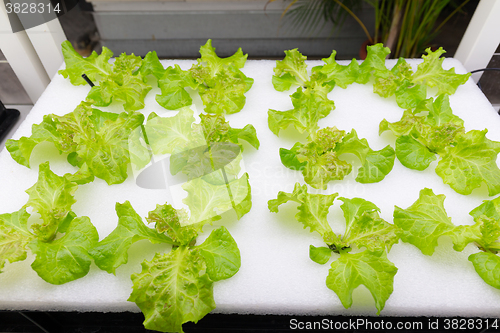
405,26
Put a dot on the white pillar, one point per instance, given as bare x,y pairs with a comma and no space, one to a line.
22,57
481,38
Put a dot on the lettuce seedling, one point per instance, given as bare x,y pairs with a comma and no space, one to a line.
220,82
364,229
99,143
122,81
467,158
58,259
319,159
426,220
175,287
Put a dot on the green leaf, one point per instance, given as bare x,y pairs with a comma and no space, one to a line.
52,197
291,70
289,157
21,149
131,91
220,82
151,65
374,271
309,107
221,254
169,135
374,64
67,258
95,66
365,228
111,252
424,221
207,202
169,220
312,210
376,165
14,236
320,255
471,162
487,265
173,289
172,84
431,73
340,75
412,154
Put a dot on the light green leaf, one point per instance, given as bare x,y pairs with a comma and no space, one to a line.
320,255
312,210
291,70
169,220
169,135
173,289
111,252
309,107
151,65
95,66
376,165
220,82
365,228
172,84
52,197
374,271
412,154
487,265
340,75
221,254
14,236
207,202
471,162
67,258
374,64
431,73
424,221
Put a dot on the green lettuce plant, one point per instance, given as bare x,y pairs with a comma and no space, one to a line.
99,143
319,160
426,220
59,239
364,229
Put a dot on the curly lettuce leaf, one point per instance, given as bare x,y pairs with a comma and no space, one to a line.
332,73
151,65
172,84
170,221
292,70
67,258
14,236
365,228
221,254
309,107
98,142
208,201
431,73
312,210
374,64
172,289
52,197
373,270
95,66
319,160
221,84
112,251
471,162
424,221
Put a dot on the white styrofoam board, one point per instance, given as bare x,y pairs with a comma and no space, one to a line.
276,276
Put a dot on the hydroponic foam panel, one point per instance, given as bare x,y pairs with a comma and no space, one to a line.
276,275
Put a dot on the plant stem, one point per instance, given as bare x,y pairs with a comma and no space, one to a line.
356,18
